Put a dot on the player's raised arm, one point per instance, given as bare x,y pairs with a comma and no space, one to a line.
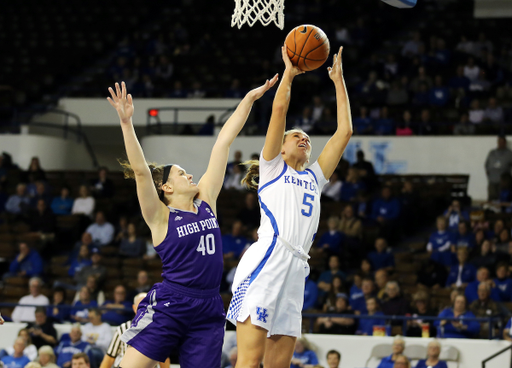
331,154
211,182
152,208
277,126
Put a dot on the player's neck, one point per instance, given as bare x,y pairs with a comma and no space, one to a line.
295,164
183,203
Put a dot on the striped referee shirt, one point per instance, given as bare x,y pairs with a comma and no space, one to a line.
117,348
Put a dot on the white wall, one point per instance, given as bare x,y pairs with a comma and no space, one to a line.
54,153
400,155
493,9
355,350
98,112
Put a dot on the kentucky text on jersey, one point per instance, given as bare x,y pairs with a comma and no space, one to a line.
301,183
197,226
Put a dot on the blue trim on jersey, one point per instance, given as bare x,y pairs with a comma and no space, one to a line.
264,260
302,172
270,216
274,180
309,170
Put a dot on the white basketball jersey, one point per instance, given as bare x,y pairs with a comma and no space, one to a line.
290,201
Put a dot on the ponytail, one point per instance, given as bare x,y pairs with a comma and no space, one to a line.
157,174
253,172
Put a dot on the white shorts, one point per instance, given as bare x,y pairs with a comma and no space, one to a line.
269,287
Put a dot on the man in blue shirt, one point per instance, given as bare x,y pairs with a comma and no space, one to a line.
503,282
463,238
17,360
325,279
381,258
332,239
438,95
310,295
385,211
454,214
440,244
482,275
68,348
19,202
233,244
27,263
358,301
463,273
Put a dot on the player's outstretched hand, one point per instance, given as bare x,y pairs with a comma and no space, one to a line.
290,68
336,70
256,93
121,102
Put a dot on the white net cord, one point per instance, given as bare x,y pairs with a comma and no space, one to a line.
266,11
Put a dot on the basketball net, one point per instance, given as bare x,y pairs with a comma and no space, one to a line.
266,11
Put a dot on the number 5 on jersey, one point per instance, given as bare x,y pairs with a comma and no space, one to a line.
206,246
307,212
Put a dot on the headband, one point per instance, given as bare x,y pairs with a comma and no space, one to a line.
167,170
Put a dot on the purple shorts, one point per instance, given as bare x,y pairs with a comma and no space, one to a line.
175,318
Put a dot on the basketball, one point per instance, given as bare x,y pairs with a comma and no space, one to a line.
307,46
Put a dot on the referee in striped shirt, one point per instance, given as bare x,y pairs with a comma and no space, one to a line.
117,348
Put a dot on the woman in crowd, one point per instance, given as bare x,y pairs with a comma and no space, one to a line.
461,328
432,361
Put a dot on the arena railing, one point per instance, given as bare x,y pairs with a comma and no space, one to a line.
388,319
66,306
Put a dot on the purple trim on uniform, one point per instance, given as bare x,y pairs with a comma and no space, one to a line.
309,170
192,293
264,260
274,180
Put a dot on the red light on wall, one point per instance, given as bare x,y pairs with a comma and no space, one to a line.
153,112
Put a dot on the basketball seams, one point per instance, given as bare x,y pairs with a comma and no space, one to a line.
310,51
296,56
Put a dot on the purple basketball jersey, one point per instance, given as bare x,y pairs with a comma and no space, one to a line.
191,252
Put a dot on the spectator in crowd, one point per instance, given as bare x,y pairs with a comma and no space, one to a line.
332,190
483,275
30,350
42,221
40,193
420,308
381,279
421,98
101,230
115,318
358,301
80,311
421,79
250,214
459,81
28,263
332,240
82,260
381,258
333,359
305,121
233,180
402,362
121,229
503,282
18,359
46,357
42,330
143,285
233,356
484,306
385,211
462,273
326,277
35,169
432,275
102,187
94,289
329,301
366,268
439,95
366,324
86,239
411,48
84,203
454,215
493,113
68,348
457,329
233,244
352,185
96,269
18,203
487,257
363,123
303,355
384,125
338,325
310,295
498,162
132,246
63,204
463,127
440,244
27,314
59,313
95,332
507,331
425,126
394,304
350,225
471,70
476,113
80,360
366,170
404,127
397,94
463,238
398,348
433,352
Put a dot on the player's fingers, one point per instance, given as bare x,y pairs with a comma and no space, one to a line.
112,93
123,89
130,99
118,91
111,102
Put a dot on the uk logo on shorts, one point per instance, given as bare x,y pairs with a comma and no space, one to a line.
262,314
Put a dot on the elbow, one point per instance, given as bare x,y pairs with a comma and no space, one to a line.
279,108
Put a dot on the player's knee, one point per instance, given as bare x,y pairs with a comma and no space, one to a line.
248,362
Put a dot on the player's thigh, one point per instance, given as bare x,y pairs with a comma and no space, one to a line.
135,359
279,351
251,342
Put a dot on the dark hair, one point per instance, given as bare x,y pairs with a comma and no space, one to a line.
59,289
501,264
81,355
41,310
95,311
334,352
